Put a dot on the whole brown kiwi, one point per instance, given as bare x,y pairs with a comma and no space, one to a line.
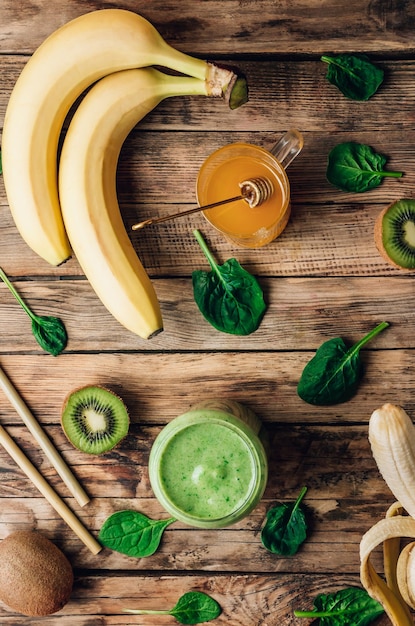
36,578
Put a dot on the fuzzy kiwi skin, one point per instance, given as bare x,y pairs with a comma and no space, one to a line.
379,240
36,578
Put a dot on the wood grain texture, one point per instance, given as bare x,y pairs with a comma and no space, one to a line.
256,599
322,278
263,380
236,26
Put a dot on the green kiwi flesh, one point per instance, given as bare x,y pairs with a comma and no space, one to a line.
94,419
395,233
36,578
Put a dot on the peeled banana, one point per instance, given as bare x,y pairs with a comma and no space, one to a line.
393,592
392,439
70,60
87,188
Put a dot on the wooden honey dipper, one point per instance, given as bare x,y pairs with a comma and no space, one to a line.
254,191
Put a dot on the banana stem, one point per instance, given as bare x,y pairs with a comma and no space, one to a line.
184,86
220,82
170,57
216,77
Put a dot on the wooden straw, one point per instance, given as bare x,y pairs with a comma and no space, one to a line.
46,490
42,439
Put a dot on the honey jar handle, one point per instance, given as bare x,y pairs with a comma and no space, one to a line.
288,147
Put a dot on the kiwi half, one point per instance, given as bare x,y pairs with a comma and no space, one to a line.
395,234
94,419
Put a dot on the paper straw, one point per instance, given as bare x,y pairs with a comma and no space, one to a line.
46,490
42,439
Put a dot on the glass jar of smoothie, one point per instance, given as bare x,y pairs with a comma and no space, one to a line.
208,467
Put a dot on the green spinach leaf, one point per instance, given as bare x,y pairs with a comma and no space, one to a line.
132,533
356,167
355,76
193,607
347,607
333,374
229,297
285,528
49,332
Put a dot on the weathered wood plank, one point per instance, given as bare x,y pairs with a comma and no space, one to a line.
320,239
306,454
282,93
325,552
157,168
221,26
252,599
301,314
336,526
326,240
161,386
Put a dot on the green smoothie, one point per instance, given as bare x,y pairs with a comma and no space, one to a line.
208,468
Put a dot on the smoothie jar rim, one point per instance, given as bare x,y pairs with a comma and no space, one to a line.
251,440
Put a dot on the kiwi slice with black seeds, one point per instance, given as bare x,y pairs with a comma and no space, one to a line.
94,419
395,234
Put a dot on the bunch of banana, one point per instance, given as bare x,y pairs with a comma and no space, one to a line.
90,47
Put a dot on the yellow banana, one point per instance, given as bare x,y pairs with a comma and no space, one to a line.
392,439
87,188
70,60
393,592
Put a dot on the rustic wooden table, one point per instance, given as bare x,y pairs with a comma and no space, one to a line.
322,278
